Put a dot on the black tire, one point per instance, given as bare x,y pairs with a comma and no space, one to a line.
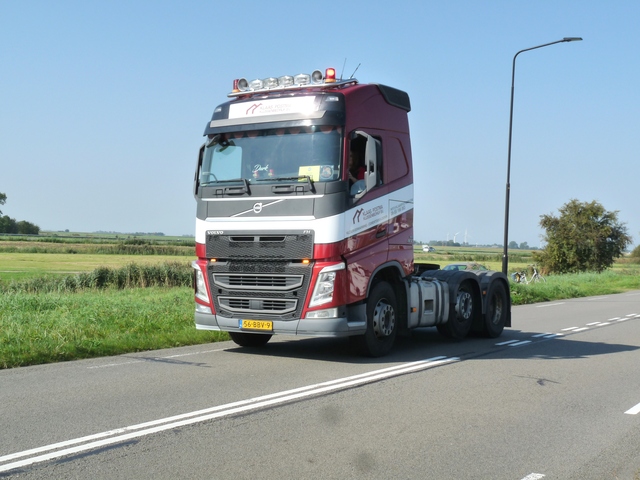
250,339
382,322
461,313
497,310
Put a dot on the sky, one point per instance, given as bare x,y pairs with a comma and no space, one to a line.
103,104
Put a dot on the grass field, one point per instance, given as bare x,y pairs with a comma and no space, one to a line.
80,297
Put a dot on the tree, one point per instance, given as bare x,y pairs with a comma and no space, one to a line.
27,228
513,245
524,246
8,225
585,237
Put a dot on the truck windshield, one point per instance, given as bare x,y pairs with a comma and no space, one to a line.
283,153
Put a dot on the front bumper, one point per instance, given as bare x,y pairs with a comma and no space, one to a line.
311,327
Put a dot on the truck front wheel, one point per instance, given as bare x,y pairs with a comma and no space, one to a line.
249,339
382,322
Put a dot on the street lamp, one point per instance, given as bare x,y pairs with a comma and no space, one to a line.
505,253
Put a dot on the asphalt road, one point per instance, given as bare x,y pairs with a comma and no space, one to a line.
556,397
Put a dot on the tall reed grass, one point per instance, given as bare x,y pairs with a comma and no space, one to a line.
168,274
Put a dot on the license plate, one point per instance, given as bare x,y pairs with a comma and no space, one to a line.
256,325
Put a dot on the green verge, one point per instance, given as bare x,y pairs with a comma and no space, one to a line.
38,328
558,287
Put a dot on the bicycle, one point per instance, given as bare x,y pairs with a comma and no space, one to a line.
536,277
521,277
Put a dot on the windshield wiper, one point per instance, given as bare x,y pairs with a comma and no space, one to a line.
302,183
232,180
239,190
308,179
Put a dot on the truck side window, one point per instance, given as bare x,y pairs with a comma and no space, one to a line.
357,168
368,148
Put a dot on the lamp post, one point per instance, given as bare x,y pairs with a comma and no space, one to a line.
505,252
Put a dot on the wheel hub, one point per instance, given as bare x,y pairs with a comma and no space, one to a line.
384,320
464,305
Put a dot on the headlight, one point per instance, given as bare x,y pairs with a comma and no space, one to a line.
323,290
199,284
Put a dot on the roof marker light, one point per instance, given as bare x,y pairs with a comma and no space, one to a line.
330,75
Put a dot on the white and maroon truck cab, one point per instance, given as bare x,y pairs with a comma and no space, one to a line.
304,224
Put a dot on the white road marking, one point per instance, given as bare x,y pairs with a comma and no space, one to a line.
633,411
515,343
545,305
134,431
534,476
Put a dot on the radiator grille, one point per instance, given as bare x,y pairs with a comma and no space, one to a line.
260,290
258,305
257,282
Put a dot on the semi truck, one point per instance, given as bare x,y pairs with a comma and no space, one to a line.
304,221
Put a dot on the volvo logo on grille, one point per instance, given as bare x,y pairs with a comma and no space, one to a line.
257,207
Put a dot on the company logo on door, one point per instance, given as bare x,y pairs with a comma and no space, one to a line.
365,217
276,106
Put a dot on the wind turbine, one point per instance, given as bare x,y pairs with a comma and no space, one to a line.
466,242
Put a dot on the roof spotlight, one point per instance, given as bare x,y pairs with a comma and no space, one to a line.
255,84
241,85
316,77
302,79
285,81
270,82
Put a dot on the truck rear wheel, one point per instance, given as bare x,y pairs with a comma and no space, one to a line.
497,310
382,322
249,339
461,313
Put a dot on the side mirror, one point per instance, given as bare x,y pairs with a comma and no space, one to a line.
371,161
